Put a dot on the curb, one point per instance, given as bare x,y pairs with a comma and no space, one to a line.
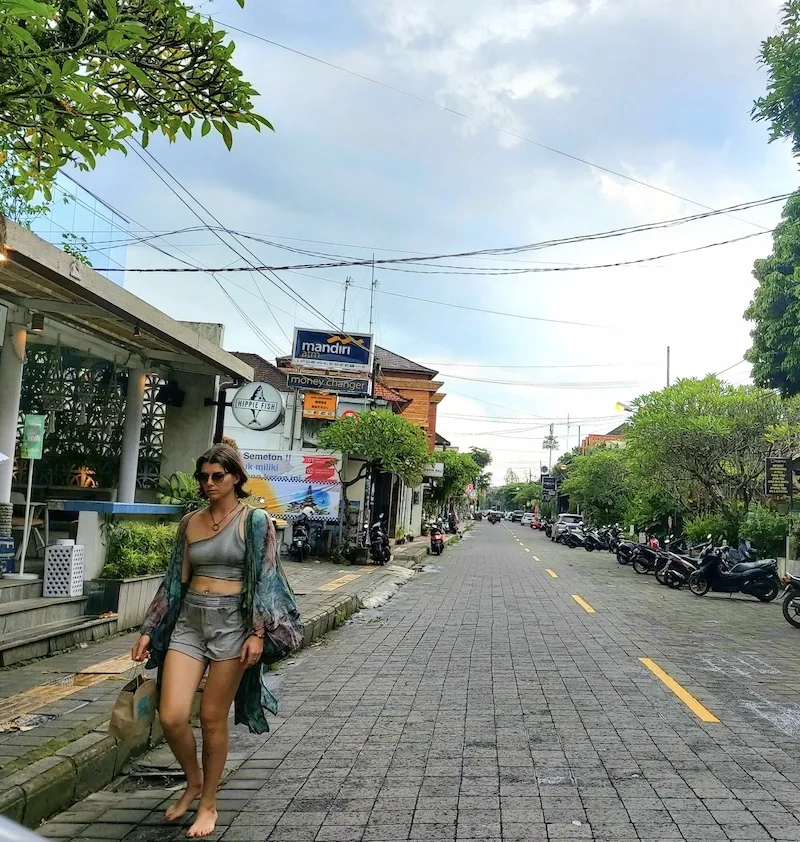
91,762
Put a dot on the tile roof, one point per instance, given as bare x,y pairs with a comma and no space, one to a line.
389,361
264,371
387,394
440,439
618,431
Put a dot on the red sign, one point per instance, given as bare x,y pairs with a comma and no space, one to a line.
320,468
349,413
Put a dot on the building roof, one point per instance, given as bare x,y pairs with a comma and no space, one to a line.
389,361
618,431
387,394
83,309
263,370
440,439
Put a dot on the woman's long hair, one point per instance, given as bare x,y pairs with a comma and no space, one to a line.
225,455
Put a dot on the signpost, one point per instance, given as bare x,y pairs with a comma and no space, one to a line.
258,406
32,449
335,351
778,478
307,381
319,406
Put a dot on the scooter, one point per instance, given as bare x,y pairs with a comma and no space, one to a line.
574,538
437,540
791,602
452,525
595,540
626,550
379,542
758,579
300,548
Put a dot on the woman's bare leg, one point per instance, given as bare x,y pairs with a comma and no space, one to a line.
181,677
218,694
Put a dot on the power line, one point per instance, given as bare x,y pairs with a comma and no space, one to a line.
477,120
464,271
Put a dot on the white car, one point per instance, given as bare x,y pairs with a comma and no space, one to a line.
527,519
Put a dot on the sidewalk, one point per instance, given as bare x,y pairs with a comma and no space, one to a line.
54,745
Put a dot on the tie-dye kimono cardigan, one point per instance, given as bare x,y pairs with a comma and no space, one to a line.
267,600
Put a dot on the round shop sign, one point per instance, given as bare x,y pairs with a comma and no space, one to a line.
257,406
349,413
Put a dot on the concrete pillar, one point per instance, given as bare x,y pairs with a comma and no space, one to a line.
189,429
12,361
131,435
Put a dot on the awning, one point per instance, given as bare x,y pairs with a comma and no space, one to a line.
86,311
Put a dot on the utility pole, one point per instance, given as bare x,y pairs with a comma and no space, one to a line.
668,365
347,282
568,432
579,435
372,293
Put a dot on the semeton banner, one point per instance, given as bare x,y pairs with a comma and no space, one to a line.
291,481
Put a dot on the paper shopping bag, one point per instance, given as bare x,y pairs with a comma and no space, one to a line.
134,710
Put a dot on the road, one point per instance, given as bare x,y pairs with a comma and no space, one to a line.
502,695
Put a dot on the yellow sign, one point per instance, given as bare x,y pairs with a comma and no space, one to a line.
319,406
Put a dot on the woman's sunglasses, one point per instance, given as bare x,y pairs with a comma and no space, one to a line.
216,477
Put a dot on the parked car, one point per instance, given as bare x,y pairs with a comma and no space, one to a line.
527,519
563,522
516,517
509,515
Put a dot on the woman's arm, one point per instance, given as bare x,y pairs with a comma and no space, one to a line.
160,604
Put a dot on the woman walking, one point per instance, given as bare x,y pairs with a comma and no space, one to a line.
224,605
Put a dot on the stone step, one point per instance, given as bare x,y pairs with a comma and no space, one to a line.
47,639
11,590
30,613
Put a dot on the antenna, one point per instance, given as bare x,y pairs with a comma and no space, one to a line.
347,282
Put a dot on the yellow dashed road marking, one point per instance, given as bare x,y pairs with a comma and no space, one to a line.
583,604
536,558
701,712
551,573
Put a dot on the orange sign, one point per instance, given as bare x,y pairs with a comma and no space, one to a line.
319,406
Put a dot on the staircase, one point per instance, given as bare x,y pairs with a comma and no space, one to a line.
32,626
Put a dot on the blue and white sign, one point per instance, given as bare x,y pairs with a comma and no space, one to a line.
332,350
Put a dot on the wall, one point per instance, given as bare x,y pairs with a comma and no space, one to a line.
420,392
189,429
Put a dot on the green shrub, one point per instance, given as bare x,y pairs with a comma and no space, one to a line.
180,489
698,529
136,548
767,530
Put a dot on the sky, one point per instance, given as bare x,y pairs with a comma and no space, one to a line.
653,98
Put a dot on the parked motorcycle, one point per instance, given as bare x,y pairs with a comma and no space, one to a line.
596,539
758,578
573,537
626,550
300,548
648,559
791,602
452,524
379,542
547,527
437,539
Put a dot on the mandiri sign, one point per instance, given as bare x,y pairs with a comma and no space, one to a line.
334,350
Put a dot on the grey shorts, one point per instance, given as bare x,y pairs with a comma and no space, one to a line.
210,627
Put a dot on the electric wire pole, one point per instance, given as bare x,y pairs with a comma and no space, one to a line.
347,282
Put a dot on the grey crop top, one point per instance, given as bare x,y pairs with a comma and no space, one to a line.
221,556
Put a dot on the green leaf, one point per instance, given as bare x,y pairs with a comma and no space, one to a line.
186,128
227,136
206,128
137,73
145,138
114,40
111,9
83,8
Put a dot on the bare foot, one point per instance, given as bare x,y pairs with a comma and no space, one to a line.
204,823
176,810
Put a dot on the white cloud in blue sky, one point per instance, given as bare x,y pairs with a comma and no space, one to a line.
657,91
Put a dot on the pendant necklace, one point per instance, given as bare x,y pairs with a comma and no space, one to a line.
216,524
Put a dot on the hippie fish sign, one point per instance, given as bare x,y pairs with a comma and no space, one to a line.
340,351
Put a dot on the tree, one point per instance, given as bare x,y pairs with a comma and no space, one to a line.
780,54
702,443
600,483
775,308
383,441
78,77
460,469
481,457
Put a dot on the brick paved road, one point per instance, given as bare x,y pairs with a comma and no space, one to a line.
484,703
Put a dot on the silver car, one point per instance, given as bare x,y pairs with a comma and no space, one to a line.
564,522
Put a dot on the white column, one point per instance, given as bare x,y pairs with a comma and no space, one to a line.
131,434
12,361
